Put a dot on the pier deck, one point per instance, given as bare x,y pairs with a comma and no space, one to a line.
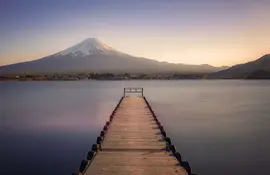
133,144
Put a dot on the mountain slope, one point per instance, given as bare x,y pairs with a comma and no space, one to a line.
259,74
91,55
244,70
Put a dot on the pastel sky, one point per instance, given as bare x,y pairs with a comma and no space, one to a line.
216,32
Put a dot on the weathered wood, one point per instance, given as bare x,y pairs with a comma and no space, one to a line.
134,144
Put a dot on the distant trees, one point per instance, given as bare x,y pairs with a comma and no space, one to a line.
103,76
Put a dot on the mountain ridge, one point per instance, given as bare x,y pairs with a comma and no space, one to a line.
91,55
244,70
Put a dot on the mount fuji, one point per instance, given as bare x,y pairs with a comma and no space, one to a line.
91,55
88,47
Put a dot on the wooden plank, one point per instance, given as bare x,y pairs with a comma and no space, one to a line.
133,144
124,163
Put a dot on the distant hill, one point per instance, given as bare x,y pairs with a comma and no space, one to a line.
251,69
259,74
91,55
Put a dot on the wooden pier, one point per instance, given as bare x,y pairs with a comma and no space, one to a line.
133,142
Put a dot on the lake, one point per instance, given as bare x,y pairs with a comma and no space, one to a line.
219,126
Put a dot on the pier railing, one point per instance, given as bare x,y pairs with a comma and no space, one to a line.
129,90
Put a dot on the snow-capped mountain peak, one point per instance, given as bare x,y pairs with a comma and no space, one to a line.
88,46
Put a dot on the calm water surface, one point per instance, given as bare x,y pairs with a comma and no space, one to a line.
220,127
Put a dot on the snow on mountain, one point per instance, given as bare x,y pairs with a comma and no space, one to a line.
87,47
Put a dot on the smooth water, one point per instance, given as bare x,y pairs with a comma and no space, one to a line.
220,127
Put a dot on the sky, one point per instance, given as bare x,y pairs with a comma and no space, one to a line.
215,32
